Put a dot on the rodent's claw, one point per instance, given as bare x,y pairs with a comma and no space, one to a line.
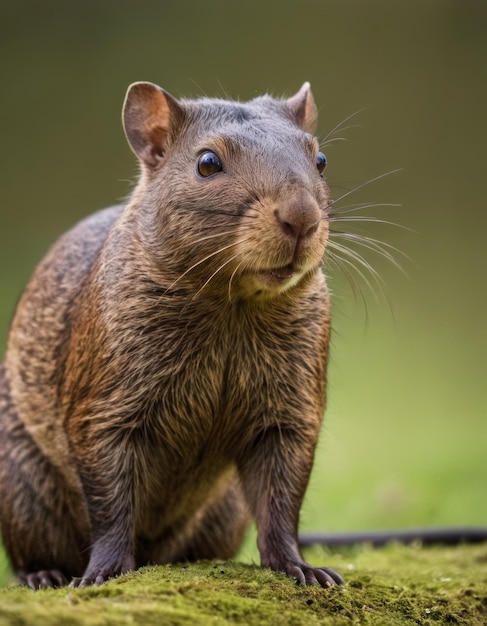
306,575
335,576
88,581
44,579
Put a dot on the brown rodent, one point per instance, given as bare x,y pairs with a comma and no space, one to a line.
165,372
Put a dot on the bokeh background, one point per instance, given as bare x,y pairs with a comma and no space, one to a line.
405,438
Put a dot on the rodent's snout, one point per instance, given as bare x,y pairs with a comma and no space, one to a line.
292,242
298,216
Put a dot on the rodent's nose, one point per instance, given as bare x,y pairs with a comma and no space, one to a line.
298,216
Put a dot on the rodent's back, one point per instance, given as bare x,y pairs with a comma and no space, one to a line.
41,327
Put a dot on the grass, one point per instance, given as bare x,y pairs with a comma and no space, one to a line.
395,585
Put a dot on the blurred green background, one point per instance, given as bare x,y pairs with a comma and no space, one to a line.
404,442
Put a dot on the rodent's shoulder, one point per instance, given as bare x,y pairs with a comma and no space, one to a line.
81,243
59,276
74,252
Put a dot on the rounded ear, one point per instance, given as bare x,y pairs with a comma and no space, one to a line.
150,115
302,106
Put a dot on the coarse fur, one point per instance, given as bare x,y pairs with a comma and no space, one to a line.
165,373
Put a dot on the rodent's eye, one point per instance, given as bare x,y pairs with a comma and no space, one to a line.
208,164
321,162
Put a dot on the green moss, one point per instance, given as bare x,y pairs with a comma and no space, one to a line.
397,585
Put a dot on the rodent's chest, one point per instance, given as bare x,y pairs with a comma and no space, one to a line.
234,380
216,394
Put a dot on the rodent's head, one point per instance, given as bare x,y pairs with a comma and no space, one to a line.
231,194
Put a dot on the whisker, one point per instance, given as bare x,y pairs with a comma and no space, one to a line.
364,218
214,274
214,236
349,256
353,255
209,256
343,266
358,258
364,184
214,212
339,126
231,279
224,91
199,88
328,142
352,208
380,247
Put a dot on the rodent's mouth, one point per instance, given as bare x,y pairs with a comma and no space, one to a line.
279,275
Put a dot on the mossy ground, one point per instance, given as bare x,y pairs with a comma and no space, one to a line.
396,585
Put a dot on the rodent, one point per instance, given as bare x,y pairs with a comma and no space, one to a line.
165,372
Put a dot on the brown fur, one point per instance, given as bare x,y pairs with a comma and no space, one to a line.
165,373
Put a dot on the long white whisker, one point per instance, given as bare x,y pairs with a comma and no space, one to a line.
214,274
215,236
364,218
348,259
367,182
359,259
354,255
356,285
342,264
209,256
332,140
380,247
326,142
340,124
231,279
351,208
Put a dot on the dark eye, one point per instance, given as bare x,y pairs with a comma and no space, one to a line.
320,162
208,164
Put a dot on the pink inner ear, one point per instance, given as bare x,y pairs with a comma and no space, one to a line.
158,140
147,118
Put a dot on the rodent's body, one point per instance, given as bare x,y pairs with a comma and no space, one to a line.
166,367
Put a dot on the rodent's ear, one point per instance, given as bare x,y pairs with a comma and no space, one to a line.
302,106
149,116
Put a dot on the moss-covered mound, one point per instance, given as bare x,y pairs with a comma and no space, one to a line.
397,585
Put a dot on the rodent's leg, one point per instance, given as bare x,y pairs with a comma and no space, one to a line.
106,463
41,519
275,473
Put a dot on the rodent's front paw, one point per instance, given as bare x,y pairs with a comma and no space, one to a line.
305,574
97,574
93,578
